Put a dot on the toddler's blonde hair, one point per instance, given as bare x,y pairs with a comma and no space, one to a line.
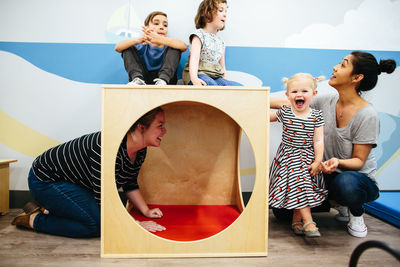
301,75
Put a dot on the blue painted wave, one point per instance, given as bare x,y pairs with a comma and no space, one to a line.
389,146
99,63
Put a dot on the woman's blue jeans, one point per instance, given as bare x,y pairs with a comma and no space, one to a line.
73,211
351,189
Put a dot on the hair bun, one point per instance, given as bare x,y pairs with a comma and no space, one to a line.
387,65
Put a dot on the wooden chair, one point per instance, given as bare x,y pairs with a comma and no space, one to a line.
196,165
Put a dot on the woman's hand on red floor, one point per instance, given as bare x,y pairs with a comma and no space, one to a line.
151,226
153,213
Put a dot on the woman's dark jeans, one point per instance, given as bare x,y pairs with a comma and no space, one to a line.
73,211
351,189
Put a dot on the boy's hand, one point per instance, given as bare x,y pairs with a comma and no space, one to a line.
142,39
152,37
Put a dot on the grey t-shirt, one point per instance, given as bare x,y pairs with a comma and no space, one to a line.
363,128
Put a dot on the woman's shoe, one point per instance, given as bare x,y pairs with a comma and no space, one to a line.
356,226
22,220
32,207
343,213
311,232
298,230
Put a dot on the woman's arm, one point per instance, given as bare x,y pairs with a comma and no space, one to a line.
136,198
356,162
318,143
194,61
277,103
272,116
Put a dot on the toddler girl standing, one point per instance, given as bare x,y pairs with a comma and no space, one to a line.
206,64
296,181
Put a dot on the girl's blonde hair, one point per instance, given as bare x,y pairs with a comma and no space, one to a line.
206,12
305,76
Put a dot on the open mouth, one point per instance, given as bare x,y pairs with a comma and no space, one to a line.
299,103
159,139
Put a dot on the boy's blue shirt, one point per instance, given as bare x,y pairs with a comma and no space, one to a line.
152,56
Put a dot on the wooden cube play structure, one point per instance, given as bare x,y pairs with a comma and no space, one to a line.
196,165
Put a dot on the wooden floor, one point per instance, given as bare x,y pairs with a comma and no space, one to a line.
25,248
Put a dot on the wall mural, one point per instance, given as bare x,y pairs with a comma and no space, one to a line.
52,69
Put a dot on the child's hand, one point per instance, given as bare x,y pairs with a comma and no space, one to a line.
152,37
143,40
314,168
151,226
198,81
153,213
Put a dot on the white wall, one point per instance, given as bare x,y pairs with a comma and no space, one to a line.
55,54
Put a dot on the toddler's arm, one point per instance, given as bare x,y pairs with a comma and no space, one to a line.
277,103
318,142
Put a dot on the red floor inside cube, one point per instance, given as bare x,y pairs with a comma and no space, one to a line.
192,222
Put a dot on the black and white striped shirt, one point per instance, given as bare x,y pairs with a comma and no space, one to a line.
78,162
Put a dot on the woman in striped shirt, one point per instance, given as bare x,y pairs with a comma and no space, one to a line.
65,181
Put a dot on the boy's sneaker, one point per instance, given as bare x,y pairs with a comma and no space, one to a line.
137,81
343,215
159,82
356,226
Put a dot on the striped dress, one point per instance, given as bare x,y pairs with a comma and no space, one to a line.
78,162
291,185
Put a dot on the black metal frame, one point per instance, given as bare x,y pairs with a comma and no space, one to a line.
372,244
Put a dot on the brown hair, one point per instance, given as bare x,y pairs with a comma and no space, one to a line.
206,11
152,15
146,119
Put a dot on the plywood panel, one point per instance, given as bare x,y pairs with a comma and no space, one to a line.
247,107
197,161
